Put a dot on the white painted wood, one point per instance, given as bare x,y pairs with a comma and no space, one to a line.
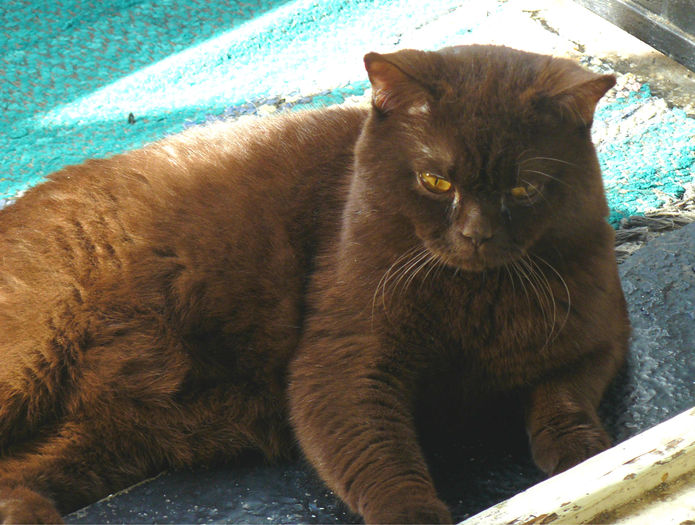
670,504
651,472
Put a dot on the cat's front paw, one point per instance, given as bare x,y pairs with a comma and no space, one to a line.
556,448
411,510
22,505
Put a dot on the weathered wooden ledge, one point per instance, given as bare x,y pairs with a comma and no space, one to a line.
646,480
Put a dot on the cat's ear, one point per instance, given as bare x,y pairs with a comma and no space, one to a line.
393,87
573,93
579,101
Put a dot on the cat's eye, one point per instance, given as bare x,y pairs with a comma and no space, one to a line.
434,183
525,192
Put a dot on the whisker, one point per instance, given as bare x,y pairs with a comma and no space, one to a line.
437,263
543,282
521,274
511,277
422,264
548,158
534,281
545,175
415,262
441,266
518,157
389,274
564,284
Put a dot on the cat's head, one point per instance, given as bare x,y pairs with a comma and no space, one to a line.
486,150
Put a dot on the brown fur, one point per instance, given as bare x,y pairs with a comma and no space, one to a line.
235,286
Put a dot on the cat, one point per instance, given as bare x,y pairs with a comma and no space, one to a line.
322,278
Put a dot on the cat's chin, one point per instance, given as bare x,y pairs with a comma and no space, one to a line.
478,261
477,266
464,258
474,263
474,266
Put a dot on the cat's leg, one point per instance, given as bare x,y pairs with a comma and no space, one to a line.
132,416
86,457
32,380
352,413
92,455
112,427
22,505
561,420
23,405
52,476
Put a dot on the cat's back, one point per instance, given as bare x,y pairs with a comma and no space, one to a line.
191,217
254,159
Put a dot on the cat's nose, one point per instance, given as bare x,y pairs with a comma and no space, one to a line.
475,236
477,227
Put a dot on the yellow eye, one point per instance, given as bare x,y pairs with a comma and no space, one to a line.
434,183
519,192
528,191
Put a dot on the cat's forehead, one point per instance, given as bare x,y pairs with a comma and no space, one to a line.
473,107
442,152
481,63
471,136
468,159
494,81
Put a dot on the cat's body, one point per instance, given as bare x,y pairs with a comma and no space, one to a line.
338,269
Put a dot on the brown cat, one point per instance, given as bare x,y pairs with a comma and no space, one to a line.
324,275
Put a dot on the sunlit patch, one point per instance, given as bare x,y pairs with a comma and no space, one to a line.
261,57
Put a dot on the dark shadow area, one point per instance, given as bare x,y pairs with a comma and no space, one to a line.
476,464
482,458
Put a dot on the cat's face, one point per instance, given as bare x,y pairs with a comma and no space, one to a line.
485,150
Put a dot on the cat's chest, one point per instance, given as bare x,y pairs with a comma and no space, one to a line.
486,330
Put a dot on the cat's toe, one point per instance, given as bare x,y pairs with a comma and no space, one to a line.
432,511
22,505
555,452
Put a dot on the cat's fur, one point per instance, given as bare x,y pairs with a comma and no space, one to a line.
235,287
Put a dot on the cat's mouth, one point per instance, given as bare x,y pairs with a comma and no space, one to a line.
476,259
477,262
